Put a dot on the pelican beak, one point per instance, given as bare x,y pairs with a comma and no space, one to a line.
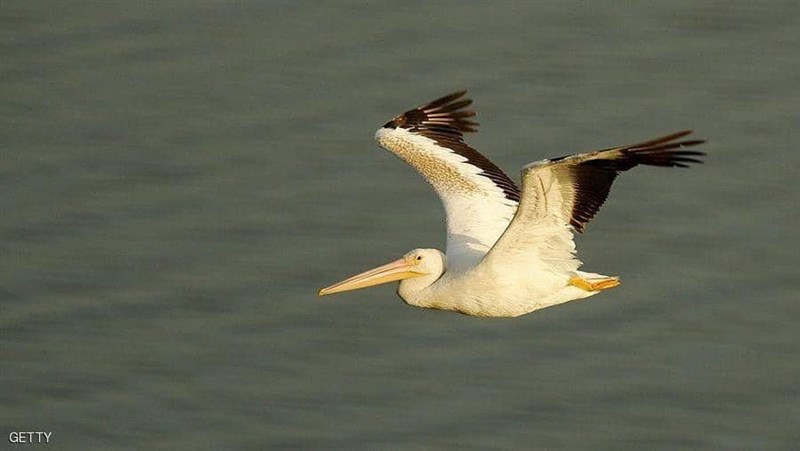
396,270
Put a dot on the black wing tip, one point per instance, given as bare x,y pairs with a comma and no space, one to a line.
446,117
666,151
451,103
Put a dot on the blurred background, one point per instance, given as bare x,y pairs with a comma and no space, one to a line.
178,180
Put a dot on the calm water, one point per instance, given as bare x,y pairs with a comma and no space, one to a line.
179,178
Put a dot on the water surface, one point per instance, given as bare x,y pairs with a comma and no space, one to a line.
179,178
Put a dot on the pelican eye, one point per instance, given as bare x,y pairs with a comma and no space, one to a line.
419,257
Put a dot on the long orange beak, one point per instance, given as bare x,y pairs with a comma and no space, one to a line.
396,270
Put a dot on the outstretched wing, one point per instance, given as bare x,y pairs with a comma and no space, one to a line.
479,198
563,194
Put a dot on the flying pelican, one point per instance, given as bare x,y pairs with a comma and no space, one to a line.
509,252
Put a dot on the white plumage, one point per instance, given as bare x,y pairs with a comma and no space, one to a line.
508,252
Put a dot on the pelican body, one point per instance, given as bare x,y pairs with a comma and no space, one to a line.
509,251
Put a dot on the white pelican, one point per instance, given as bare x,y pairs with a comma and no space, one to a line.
508,252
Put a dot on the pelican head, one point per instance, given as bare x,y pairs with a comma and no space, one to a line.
415,270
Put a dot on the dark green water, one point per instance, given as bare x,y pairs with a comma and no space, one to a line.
179,178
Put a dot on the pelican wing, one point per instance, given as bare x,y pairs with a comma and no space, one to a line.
561,195
479,198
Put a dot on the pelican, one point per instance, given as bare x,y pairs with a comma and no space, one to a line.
509,251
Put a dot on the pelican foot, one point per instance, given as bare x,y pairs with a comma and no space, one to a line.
595,285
